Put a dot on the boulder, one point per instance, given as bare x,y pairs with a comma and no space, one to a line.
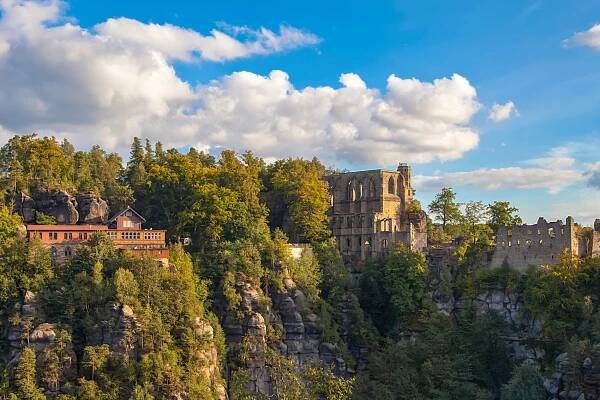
59,204
92,209
25,207
43,333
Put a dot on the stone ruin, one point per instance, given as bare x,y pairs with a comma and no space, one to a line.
521,246
370,211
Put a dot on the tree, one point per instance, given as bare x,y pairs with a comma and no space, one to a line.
298,199
501,213
526,384
445,208
475,214
25,377
95,357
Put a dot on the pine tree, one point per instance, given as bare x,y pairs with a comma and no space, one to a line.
25,377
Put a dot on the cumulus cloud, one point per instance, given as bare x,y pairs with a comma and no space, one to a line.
589,38
116,81
502,112
502,178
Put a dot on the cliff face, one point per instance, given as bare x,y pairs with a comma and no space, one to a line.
281,322
83,208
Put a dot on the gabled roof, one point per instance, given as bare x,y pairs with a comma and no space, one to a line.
113,219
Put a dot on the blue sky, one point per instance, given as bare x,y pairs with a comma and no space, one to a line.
507,51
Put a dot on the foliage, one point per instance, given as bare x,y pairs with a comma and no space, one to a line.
392,288
297,198
30,163
526,383
25,377
501,213
313,382
445,208
44,219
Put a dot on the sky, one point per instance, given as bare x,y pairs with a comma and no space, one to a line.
498,100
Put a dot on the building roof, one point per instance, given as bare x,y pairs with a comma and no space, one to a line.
32,227
123,212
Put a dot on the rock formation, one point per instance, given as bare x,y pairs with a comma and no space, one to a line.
84,208
296,332
92,209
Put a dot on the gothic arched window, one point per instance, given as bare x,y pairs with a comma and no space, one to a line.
391,186
371,192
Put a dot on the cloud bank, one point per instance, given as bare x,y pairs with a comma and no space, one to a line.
116,80
502,178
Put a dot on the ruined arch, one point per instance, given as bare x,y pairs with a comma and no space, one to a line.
391,185
371,191
358,191
350,189
400,185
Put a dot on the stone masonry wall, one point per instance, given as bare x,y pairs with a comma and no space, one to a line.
540,244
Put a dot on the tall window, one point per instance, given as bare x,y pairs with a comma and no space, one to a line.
371,192
391,186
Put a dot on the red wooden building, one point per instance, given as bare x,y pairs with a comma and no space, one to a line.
124,229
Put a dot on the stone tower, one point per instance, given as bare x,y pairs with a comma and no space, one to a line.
369,213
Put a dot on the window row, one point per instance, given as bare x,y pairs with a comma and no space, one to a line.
551,232
355,190
528,243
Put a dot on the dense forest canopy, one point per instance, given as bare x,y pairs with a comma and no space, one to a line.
239,214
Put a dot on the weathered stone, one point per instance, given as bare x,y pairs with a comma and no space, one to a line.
59,204
43,333
25,207
203,328
92,209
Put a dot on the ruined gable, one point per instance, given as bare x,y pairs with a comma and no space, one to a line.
368,213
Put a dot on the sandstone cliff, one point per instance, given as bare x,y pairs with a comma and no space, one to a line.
83,208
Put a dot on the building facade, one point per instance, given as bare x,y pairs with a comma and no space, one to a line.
124,229
521,246
369,213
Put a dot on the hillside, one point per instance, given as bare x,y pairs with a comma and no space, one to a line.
234,315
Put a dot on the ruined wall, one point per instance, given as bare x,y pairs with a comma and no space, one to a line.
368,212
540,244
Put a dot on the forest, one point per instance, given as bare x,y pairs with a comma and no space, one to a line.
214,324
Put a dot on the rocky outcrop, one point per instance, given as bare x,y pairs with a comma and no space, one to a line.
56,203
92,209
574,379
25,207
296,332
84,208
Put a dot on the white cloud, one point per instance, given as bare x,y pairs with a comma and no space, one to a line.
502,112
502,178
557,158
117,81
185,44
589,38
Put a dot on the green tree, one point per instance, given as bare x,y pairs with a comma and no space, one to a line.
501,213
298,199
445,208
526,383
95,357
25,377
